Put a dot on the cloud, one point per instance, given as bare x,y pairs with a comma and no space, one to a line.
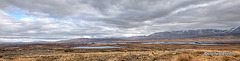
44,19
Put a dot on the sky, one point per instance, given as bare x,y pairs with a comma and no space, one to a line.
54,20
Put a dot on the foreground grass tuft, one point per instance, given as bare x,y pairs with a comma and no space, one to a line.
184,57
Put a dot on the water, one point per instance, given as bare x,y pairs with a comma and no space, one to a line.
153,43
96,47
13,47
213,44
105,43
196,43
169,43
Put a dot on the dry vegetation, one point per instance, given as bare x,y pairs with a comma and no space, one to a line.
130,56
132,52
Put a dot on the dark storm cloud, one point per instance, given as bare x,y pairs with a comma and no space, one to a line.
114,18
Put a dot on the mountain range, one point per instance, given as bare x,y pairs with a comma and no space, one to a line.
186,34
200,33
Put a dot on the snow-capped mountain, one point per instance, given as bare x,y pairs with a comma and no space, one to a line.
236,30
164,35
186,33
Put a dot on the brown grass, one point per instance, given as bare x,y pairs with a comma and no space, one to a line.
133,52
130,56
28,59
184,57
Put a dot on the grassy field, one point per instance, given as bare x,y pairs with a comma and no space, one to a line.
132,52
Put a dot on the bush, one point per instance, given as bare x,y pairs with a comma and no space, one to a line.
68,50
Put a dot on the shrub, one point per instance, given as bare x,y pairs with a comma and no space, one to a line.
68,50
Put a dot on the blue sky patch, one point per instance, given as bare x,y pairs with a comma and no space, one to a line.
16,15
20,16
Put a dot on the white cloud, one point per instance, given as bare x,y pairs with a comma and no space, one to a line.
64,19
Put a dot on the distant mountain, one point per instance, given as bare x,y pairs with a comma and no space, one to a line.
90,40
235,30
25,42
165,35
186,34
36,41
